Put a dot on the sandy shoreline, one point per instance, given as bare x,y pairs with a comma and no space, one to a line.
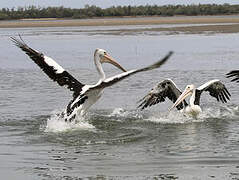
225,24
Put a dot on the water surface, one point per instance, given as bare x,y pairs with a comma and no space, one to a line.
115,140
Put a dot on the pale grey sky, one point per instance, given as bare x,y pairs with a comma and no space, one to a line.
104,3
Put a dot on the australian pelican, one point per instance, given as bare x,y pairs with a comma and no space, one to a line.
234,74
84,96
168,89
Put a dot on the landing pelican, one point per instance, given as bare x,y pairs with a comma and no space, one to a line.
234,74
168,89
84,96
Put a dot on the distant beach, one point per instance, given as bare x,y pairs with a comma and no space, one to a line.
223,24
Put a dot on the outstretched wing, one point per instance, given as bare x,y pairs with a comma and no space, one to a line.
112,80
50,67
165,89
216,89
234,74
91,92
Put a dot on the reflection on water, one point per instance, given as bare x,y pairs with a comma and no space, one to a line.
115,140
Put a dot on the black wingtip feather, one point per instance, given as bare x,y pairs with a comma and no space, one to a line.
63,79
18,42
234,74
227,92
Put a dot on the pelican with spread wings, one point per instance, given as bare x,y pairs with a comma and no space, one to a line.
84,96
168,89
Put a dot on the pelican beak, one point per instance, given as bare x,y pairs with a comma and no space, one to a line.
107,59
185,94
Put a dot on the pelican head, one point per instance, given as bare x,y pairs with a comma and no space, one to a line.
103,57
187,92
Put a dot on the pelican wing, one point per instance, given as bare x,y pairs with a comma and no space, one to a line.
234,74
112,80
50,67
165,89
216,89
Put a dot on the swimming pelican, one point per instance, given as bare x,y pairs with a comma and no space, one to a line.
234,74
168,89
84,96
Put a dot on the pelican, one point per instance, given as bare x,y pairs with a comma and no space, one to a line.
234,74
84,96
168,89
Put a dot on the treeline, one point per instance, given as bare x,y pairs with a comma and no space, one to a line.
94,11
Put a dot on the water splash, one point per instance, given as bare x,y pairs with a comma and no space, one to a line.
174,117
119,112
123,113
234,111
56,124
223,112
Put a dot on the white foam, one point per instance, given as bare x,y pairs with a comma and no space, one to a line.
120,112
225,112
234,111
57,124
209,113
172,117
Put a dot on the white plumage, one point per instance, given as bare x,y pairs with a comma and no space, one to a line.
168,89
84,96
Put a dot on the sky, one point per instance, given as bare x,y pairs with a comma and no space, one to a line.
104,3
